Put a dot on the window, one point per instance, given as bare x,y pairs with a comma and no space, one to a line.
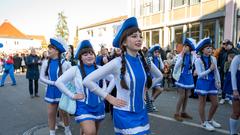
192,2
209,30
195,31
221,31
141,8
157,5
148,39
147,7
178,34
115,29
177,3
162,43
155,37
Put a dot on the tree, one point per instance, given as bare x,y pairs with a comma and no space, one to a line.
62,28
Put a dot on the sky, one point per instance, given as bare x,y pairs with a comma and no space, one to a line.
40,17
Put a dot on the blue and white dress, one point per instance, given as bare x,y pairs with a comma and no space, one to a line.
53,94
235,73
186,77
207,79
132,118
92,106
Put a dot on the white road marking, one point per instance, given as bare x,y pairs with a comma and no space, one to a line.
186,122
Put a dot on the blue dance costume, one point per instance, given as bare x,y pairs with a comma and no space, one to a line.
207,79
53,94
132,118
186,78
92,106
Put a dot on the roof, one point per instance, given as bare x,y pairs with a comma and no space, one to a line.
112,20
8,30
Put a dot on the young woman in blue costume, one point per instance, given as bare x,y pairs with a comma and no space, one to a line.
235,79
208,83
132,75
185,82
155,57
90,107
50,71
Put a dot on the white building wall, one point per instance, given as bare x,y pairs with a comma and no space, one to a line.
100,37
11,45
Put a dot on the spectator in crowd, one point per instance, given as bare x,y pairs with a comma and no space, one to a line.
33,62
70,55
227,87
17,62
23,63
103,58
222,57
228,50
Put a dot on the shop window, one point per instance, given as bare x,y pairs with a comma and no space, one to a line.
148,39
221,31
155,37
209,30
178,34
195,31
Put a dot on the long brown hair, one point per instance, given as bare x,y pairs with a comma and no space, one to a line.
125,34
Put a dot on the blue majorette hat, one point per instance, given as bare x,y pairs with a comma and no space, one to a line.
58,43
130,22
82,45
1,45
190,42
154,48
202,43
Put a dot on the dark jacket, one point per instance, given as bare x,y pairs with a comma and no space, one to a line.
32,63
222,59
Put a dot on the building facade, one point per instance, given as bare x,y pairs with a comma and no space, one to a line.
14,40
169,22
101,33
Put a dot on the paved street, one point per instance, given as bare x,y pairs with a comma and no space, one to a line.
22,115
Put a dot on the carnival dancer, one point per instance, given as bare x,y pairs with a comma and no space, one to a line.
131,74
155,57
208,83
50,71
185,82
90,107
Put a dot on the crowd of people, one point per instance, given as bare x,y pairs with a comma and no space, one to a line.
117,80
